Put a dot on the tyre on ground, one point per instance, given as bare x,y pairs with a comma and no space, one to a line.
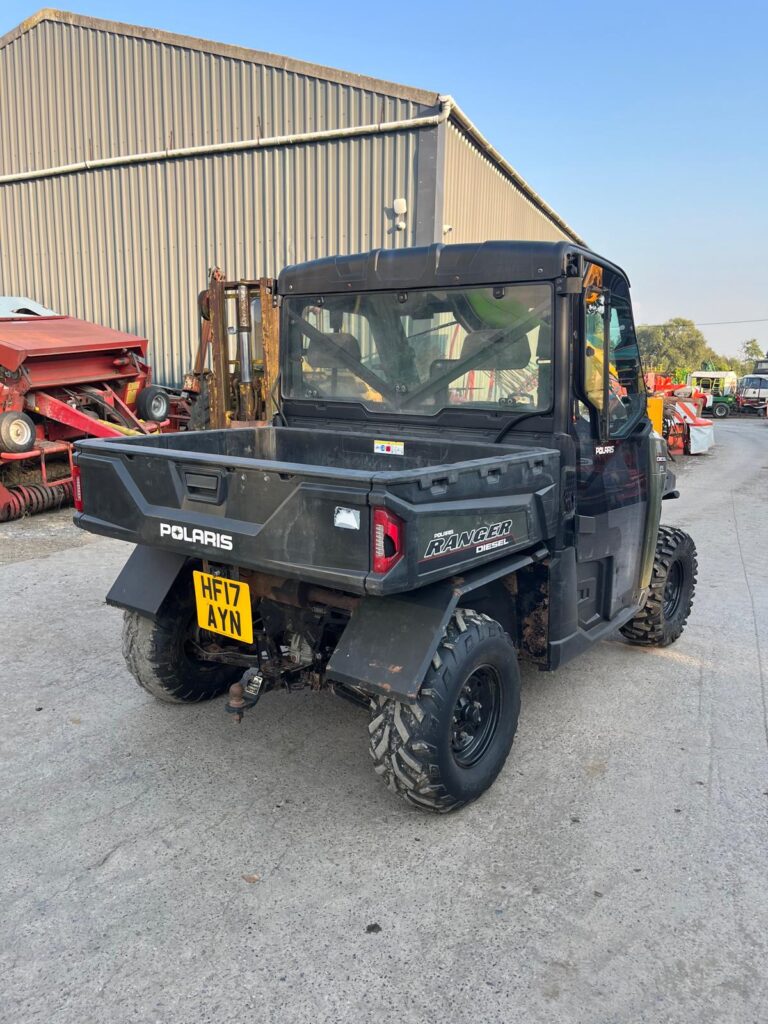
447,748
662,618
720,410
17,433
159,655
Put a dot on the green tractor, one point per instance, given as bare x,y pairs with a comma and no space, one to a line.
719,389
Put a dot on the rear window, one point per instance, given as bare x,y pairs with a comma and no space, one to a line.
420,351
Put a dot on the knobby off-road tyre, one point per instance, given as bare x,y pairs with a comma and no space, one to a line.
158,658
446,749
663,617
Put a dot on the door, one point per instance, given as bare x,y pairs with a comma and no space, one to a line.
613,435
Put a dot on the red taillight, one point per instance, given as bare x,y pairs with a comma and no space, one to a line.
77,489
388,539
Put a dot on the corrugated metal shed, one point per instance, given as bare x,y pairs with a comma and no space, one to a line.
134,159
482,202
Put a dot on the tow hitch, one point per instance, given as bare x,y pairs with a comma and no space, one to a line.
244,694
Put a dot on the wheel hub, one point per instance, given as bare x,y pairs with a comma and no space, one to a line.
20,432
673,589
475,716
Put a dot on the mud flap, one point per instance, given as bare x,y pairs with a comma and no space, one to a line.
145,580
389,642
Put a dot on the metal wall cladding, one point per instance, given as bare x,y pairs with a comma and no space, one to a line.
130,246
482,203
69,92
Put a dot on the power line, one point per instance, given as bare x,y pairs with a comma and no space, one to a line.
713,323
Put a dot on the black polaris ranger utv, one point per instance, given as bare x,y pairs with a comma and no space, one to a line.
461,474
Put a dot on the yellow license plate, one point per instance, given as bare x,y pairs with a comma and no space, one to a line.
223,606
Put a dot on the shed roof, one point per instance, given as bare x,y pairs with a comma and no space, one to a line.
272,60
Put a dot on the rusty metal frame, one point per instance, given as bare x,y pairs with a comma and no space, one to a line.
236,398
270,336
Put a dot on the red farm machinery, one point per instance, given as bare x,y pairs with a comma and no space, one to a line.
62,379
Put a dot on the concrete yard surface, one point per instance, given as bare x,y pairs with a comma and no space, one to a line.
161,865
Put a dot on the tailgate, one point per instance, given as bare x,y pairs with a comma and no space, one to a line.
312,524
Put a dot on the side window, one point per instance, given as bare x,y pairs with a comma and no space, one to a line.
612,374
594,360
626,387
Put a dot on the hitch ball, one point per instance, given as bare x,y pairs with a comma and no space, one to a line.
244,694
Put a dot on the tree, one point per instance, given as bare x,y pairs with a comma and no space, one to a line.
733,363
674,348
750,351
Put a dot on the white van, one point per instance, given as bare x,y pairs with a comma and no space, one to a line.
752,392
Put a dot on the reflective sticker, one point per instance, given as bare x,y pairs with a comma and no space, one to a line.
346,518
389,447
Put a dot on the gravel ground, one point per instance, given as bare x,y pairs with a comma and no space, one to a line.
616,872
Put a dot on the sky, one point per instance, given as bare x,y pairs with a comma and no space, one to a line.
644,124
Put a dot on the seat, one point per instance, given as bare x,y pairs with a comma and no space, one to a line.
513,354
503,361
436,369
324,355
324,352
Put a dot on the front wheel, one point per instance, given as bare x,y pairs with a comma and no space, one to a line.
721,410
662,618
446,749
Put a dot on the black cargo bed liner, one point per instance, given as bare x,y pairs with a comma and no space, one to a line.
267,498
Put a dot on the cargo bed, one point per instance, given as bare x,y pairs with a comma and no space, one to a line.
298,503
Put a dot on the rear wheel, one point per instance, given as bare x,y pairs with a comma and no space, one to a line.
17,433
720,410
159,654
662,618
446,749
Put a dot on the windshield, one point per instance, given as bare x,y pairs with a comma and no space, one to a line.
420,351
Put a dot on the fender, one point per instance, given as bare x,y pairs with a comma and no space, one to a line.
658,484
389,642
146,580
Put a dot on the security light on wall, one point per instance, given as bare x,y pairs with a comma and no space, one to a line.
400,207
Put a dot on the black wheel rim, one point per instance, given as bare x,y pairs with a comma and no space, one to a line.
475,716
673,590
